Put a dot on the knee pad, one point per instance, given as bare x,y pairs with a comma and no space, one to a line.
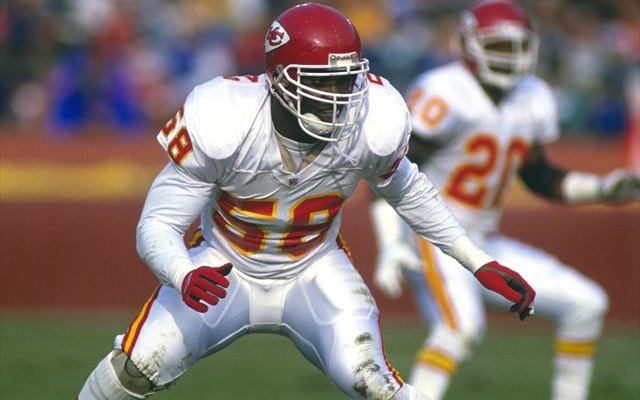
372,382
130,376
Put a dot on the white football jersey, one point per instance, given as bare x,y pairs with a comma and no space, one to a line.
269,221
483,145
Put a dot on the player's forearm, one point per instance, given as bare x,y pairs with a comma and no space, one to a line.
421,206
576,187
163,250
172,205
468,254
542,177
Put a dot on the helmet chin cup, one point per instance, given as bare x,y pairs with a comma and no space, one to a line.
314,127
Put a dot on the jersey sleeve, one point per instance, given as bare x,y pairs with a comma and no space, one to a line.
418,202
199,144
185,138
173,203
203,137
544,110
387,129
396,179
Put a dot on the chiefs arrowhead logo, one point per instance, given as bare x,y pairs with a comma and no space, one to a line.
276,37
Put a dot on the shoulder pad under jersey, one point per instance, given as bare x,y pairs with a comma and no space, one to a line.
541,105
219,113
387,125
440,100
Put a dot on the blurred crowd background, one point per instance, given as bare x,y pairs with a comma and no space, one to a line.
122,67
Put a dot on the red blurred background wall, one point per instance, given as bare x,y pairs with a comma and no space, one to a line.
62,246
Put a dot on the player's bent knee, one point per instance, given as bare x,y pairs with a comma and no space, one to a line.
130,376
593,304
595,310
601,305
584,314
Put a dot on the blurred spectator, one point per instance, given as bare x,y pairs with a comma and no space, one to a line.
127,65
26,45
93,83
588,72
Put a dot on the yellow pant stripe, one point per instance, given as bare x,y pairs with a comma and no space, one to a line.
196,239
575,348
434,358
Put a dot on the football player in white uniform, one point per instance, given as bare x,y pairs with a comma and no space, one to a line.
267,162
477,124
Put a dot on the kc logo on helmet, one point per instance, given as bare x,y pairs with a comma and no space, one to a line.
276,37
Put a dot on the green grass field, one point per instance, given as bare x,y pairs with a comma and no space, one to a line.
48,356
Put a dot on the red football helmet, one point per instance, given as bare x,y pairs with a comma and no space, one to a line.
316,70
497,43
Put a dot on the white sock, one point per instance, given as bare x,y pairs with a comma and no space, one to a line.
430,381
571,378
436,364
103,384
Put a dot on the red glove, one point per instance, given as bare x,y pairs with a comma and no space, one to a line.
205,284
510,285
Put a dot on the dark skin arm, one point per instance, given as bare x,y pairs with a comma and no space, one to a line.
540,176
420,150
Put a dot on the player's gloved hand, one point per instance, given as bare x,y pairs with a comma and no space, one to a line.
205,284
510,285
388,273
620,186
